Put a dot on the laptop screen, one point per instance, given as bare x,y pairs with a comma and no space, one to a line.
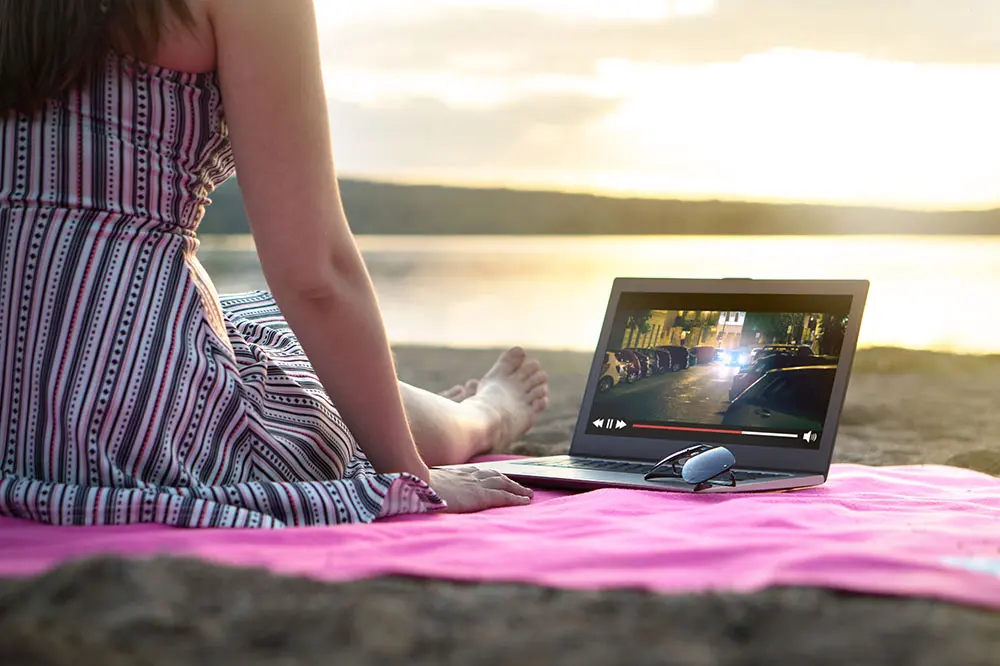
750,369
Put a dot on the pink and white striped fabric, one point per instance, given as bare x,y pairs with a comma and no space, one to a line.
129,391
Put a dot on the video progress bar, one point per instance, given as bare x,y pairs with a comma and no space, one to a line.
751,433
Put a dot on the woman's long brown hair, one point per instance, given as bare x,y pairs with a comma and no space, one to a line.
49,46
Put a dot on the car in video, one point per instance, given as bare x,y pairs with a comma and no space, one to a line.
695,368
612,373
647,361
630,364
770,350
747,376
674,357
785,399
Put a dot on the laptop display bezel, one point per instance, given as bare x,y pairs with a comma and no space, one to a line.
757,456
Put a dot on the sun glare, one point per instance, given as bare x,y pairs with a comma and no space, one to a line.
651,10
781,124
334,10
693,7
793,124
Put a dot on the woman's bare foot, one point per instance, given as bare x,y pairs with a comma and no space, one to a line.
479,416
460,392
510,397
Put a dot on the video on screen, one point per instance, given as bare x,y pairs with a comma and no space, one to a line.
766,377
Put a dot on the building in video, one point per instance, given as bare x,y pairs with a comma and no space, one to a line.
766,372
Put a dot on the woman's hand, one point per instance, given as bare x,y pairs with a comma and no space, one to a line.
470,489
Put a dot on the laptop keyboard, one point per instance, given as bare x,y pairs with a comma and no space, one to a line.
600,465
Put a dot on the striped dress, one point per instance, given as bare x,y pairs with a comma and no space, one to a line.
129,390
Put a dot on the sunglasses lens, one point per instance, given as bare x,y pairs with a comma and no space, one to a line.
707,465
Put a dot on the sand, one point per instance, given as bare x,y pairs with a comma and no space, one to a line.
902,408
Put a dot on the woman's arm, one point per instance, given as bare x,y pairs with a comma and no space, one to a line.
272,87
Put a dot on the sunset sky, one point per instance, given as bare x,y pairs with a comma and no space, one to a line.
858,101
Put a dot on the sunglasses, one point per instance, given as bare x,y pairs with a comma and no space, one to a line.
702,466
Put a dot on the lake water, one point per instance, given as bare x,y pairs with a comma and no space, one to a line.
939,293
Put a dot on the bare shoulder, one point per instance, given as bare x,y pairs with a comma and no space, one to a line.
189,48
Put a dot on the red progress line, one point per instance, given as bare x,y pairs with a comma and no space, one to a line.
662,427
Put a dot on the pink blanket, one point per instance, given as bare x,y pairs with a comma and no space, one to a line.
928,531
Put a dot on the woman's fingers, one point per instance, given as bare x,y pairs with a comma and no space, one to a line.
497,498
497,481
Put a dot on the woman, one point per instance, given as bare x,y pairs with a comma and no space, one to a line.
129,391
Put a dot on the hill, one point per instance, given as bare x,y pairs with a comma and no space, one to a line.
382,208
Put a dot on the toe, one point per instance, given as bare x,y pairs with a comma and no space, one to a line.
510,361
454,392
540,404
529,368
539,391
540,377
471,387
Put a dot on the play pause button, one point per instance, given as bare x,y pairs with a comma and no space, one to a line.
610,424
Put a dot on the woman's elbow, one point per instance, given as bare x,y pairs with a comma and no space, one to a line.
323,278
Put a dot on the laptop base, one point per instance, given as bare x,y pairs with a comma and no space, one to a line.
550,472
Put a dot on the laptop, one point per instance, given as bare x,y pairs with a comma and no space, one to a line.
673,370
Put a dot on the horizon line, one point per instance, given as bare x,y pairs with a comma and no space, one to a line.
611,193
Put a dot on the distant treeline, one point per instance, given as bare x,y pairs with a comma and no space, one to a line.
381,208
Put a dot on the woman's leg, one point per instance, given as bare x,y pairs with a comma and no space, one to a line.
504,406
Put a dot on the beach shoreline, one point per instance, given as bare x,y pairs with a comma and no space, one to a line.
903,406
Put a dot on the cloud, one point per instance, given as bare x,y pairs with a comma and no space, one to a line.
528,97
419,133
919,31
